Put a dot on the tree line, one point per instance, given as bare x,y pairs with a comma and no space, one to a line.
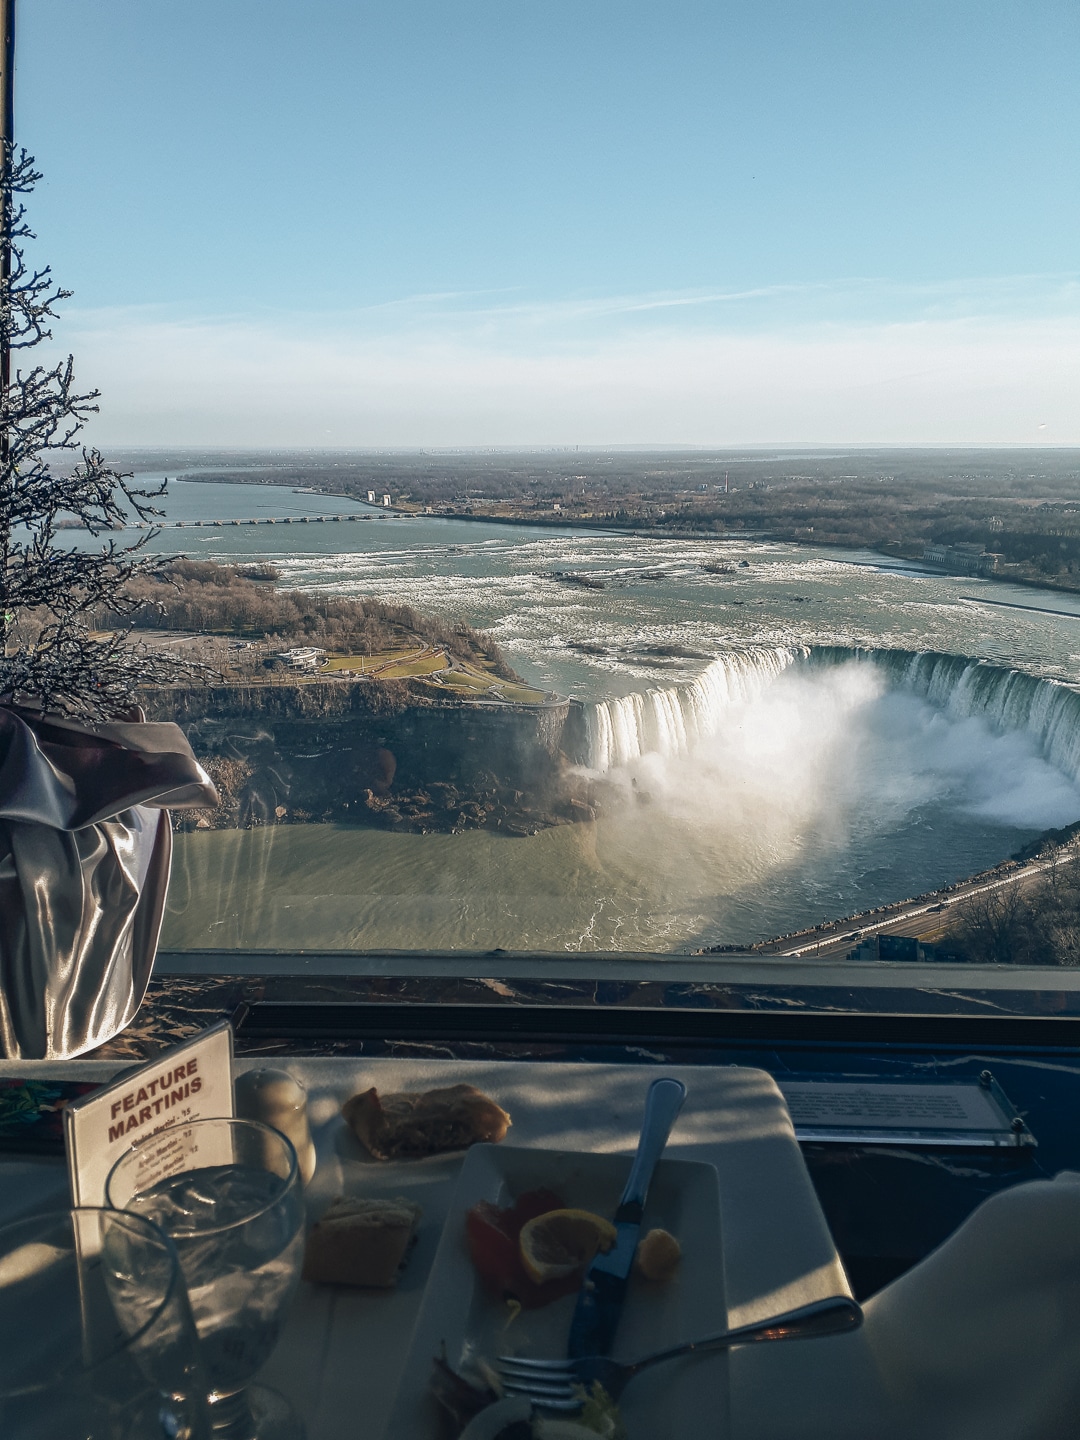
203,596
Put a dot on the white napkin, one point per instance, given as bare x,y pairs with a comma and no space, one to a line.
980,1341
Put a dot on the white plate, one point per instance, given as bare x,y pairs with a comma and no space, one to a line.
673,1402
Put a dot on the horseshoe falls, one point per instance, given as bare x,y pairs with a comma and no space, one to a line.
781,786
670,722
1009,700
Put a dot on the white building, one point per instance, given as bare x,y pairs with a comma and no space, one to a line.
965,558
302,657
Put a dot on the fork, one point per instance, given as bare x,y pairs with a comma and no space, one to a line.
556,1384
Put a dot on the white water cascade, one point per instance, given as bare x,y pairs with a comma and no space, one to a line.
669,722
1007,699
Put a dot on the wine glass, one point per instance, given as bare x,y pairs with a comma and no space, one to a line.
228,1194
96,1336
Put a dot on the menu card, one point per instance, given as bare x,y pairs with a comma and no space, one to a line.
192,1081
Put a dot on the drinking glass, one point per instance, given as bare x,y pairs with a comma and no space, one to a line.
96,1337
228,1195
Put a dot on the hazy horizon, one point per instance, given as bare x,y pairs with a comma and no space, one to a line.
410,226
733,452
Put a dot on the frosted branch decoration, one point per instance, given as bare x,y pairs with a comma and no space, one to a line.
63,642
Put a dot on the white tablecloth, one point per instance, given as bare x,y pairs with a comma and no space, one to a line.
341,1354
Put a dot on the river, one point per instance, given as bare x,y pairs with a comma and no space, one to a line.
811,790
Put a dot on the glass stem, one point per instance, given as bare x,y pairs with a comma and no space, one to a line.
231,1417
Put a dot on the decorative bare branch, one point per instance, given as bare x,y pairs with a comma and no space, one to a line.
51,585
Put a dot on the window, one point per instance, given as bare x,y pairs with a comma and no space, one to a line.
621,456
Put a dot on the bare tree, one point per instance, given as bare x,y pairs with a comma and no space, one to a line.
50,589
994,926
1032,922
1056,909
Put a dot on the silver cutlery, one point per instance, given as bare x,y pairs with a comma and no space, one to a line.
556,1384
603,1289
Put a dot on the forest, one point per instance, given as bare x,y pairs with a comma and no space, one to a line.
203,597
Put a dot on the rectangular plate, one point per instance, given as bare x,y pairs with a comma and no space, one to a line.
684,1397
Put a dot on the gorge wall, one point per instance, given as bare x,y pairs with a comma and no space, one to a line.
379,754
387,753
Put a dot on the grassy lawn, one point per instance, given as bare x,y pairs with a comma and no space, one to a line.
362,662
522,694
420,664
479,684
390,664
425,665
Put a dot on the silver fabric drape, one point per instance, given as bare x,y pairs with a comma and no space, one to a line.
85,851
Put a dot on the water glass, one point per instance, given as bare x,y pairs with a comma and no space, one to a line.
228,1195
96,1336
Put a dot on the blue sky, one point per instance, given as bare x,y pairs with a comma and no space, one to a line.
499,221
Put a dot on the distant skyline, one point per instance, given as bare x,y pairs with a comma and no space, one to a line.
403,223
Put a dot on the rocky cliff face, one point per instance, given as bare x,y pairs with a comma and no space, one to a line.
380,754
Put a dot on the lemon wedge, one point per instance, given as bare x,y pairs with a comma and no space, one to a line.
562,1241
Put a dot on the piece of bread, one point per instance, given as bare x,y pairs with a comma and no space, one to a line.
658,1255
361,1242
429,1122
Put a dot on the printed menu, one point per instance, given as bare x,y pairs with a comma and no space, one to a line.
192,1081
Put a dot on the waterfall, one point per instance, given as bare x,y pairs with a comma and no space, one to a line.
670,721
1049,710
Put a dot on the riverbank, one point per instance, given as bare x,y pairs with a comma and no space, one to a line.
714,531
910,555
931,919
891,502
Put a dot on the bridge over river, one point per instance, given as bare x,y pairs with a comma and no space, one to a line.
267,520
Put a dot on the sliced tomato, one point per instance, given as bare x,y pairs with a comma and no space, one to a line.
493,1235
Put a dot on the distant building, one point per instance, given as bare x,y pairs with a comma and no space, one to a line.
386,500
905,948
965,558
371,497
557,508
302,657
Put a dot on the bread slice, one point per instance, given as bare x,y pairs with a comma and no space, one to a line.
429,1122
361,1242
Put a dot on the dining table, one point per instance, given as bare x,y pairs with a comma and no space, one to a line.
341,1353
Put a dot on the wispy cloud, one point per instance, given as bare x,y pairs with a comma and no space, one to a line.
983,362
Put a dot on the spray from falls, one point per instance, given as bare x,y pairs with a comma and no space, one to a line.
670,722
1007,700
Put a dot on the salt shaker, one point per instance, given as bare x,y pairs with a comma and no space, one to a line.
279,1099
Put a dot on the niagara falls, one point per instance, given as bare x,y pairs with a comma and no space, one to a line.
776,736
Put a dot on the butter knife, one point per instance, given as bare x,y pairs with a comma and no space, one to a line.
600,1299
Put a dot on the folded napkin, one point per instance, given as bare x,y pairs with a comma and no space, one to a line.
980,1341
85,851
